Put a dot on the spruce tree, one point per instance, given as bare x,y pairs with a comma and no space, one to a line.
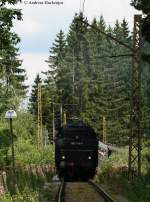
34,96
53,84
11,74
74,65
144,6
89,84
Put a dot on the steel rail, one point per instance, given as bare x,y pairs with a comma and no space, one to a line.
61,192
101,192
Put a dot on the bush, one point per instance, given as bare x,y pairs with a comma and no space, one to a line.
112,174
26,196
26,153
114,164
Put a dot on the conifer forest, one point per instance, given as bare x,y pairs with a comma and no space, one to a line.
91,77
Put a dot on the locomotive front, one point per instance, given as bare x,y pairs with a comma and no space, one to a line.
76,152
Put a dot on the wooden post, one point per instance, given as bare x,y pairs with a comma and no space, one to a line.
40,129
104,129
64,119
53,121
12,145
61,113
5,181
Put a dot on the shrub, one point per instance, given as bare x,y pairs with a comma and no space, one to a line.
26,153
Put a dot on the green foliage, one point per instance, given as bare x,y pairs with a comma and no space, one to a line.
25,196
146,158
29,193
24,128
28,185
112,175
33,96
25,125
86,84
4,142
3,2
143,5
118,159
12,76
27,153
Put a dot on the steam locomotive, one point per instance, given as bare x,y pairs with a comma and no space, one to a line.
76,152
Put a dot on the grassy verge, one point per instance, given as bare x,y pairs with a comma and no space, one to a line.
28,185
112,175
34,169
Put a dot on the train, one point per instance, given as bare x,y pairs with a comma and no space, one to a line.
76,152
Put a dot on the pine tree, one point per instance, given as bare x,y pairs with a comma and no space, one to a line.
144,6
119,101
11,74
57,53
53,84
92,85
125,29
34,96
76,61
56,59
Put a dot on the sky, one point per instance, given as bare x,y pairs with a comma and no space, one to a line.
42,21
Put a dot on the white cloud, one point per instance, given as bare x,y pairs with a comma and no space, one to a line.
111,10
38,18
42,22
34,64
27,27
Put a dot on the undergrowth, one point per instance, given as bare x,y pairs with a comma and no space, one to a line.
113,176
33,169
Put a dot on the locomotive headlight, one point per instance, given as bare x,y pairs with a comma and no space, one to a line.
63,157
89,157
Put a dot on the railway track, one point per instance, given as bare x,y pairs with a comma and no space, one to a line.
101,192
61,192
82,192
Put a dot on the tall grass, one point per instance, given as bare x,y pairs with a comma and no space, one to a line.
112,174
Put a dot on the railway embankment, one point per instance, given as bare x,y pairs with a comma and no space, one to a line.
28,184
112,175
36,184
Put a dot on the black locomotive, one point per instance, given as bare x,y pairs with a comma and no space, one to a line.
76,152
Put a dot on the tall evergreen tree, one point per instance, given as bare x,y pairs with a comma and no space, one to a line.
144,6
53,94
79,60
34,96
11,74
89,84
